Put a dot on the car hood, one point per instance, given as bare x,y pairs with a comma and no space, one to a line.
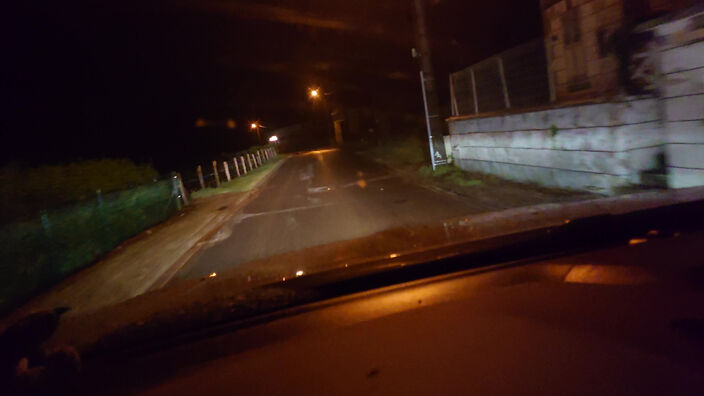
386,258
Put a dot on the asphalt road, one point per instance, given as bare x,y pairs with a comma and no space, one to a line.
316,198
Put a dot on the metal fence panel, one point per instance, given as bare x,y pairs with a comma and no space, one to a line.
490,96
462,90
515,78
526,75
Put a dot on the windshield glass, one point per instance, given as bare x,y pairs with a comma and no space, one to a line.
156,152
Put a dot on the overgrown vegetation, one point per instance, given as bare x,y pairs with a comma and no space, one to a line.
450,174
400,151
410,153
42,251
24,192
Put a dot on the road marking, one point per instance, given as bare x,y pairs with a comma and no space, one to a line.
242,216
316,190
372,180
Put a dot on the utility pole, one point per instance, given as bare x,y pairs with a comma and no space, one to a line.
433,121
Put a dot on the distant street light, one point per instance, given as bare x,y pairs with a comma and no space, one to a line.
256,127
318,96
273,139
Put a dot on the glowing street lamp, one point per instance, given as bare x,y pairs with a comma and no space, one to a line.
273,139
314,93
255,127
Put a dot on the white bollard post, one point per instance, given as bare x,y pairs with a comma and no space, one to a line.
217,176
237,168
259,157
244,167
227,170
249,161
199,169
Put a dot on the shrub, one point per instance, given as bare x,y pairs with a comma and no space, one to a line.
24,192
42,251
403,151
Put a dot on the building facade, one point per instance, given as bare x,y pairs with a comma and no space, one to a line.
591,48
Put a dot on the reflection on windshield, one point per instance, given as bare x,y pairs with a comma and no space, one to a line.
253,145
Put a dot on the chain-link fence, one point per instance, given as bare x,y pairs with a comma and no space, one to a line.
515,78
39,252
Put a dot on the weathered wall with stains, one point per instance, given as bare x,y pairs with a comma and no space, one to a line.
597,147
680,53
609,145
576,34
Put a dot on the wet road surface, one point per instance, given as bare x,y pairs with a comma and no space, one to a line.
317,198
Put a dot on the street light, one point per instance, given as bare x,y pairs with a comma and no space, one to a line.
255,126
319,97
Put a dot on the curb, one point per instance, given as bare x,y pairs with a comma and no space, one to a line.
248,197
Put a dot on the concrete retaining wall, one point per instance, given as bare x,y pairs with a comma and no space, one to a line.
681,56
596,147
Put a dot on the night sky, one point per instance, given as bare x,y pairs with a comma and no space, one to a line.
93,79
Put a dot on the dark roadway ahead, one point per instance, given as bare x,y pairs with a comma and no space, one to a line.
316,198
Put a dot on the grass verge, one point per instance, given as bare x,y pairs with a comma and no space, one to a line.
449,174
409,154
239,184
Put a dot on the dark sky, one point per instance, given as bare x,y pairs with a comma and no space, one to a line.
91,79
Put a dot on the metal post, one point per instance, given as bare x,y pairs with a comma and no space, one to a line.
430,94
249,161
46,224
176,190
244,167
453,100
551,77
474,92
503,82
184,196
237,168
427,121
259,157
199,170
215,170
